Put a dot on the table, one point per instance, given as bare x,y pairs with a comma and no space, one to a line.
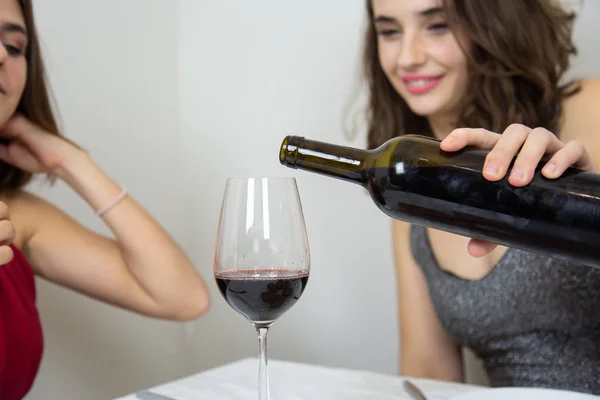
297,381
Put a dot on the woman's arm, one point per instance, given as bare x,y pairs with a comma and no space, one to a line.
426,350
578,146
141,269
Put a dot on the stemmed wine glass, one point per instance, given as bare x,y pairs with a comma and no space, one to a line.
261,258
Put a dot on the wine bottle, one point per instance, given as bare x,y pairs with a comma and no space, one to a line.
411,179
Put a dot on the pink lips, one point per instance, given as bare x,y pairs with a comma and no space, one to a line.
421,84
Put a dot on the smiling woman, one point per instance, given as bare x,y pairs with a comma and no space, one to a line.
425,28
488,74
141,269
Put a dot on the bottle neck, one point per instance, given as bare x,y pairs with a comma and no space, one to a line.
345,163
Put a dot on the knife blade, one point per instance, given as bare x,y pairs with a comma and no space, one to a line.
414,391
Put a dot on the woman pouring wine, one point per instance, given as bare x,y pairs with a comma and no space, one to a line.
487,75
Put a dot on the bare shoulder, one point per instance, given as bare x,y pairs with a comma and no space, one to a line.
27,213
581,118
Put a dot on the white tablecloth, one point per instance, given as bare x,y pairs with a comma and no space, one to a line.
295,381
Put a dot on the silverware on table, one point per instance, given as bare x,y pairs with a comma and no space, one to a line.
147,395
414,391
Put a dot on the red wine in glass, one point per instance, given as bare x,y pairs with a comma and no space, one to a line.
262,295
261,260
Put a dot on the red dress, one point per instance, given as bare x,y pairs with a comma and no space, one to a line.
21,340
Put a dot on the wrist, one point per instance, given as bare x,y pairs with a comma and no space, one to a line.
73,161
81,173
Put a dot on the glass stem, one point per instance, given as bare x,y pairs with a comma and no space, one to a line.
263,374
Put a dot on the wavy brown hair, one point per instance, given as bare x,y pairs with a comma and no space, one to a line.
518,52
35,102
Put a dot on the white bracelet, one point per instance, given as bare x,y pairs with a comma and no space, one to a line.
120,197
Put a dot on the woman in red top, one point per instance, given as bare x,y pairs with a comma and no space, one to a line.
141,269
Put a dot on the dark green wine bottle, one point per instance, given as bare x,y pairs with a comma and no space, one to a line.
411,179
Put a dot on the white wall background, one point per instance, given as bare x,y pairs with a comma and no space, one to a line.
190,92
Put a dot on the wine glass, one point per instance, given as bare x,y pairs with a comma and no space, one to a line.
261,258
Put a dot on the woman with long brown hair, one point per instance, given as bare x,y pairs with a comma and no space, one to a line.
488,74
141,269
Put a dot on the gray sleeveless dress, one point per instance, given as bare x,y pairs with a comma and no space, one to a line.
533,320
